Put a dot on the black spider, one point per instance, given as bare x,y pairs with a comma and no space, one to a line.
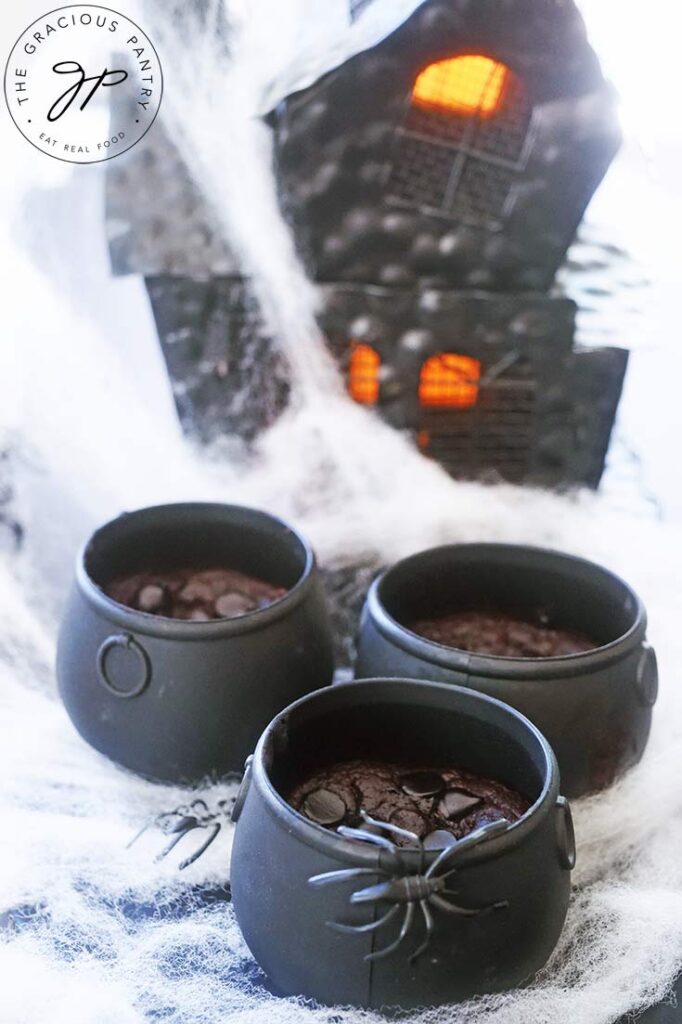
425,889
186,819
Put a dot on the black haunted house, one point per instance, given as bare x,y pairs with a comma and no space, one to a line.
434,183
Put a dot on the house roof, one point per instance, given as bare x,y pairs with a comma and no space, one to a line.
327,37
305,40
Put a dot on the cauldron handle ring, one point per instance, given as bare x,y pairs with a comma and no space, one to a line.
565,834
128,642
242,791
646,679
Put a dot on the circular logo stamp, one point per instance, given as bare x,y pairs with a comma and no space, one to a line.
83,83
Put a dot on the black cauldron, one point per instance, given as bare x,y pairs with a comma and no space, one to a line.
176,700
594,707
276,851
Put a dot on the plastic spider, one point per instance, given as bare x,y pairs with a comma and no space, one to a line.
425,890
186,819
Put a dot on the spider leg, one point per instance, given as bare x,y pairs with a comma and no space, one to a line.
442,856
164,819
387,950
373,894
213,830
159,821
428,922
452,908
367,837
477,836
395,829
345,874
201,810
176,839
371,927
499,905
140,833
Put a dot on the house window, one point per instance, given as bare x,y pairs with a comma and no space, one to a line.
493,434
363,374
464,139
463,85
449,381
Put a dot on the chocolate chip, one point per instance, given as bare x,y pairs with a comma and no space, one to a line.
439,840
178,593
422,783
231,604
199,615
151,598
195,590
324,807
457,803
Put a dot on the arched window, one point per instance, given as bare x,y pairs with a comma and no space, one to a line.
449,381
363,374
463,85
464,139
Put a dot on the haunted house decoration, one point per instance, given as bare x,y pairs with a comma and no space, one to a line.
434,183
434,180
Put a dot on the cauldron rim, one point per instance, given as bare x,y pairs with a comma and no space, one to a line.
549,668
150,624
350,851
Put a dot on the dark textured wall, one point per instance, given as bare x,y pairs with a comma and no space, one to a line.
228,379
337,143
558,431
226,376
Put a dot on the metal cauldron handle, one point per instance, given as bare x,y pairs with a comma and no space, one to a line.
242,791
565,834
646,678
129,643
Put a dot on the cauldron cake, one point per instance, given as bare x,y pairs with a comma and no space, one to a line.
196,594
188,627
342,906
561,639
439,804
501,634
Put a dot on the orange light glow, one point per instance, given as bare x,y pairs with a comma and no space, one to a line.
363,374
462,85
449,381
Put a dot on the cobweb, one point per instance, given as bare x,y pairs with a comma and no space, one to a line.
91,932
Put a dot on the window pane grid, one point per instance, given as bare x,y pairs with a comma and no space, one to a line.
496,433
462,165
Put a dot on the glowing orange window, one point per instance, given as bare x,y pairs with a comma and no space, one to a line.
449,381
464,85
363,374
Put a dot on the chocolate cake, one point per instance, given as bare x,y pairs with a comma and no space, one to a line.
439,805
501,634
199,595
